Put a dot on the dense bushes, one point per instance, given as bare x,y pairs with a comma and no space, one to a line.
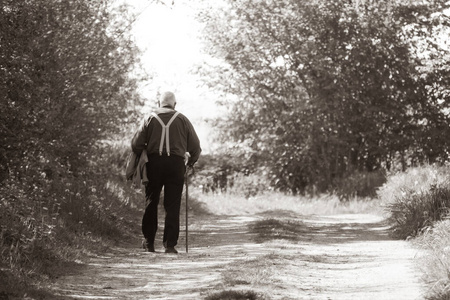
64,80
226,173
418,203
48,222
435,264
68,79
416,199
413,213
323,90
360,184
234,174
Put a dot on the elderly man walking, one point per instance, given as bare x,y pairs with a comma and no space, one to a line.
167,135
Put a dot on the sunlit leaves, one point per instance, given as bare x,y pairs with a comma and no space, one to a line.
65,77
329,87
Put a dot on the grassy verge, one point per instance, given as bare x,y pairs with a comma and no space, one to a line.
230,203
49,223
418,203
435,263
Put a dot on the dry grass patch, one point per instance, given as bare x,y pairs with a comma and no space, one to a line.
258,274
235,204
255,272
435,263
235,295
273,229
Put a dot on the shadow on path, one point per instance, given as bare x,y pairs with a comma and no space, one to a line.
323,229
298,257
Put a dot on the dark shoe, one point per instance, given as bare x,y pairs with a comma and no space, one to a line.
171,250
149,247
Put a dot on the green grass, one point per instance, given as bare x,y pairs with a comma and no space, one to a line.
413,181
254,272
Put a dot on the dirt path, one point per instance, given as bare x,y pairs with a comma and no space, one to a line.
277,255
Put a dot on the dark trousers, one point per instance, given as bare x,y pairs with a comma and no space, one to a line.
168,172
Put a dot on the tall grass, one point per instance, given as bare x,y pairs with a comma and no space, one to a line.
234,204
413,181
411,215
250,194
418,203
47,222
415,199
435,264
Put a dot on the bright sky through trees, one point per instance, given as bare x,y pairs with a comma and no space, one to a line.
168,35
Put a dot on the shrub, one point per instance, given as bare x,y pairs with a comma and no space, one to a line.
412,213
415,199
51,220
413,181
435,263
221,174
360,184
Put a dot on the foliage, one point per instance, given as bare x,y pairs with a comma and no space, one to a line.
410,215
228,174
67,218
435,262
360,184
65,79
418,203
413,181
328,88
416,199
68,79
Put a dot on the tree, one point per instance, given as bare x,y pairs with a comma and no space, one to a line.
65,69
325,88
68,81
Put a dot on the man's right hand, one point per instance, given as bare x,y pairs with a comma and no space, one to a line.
190,169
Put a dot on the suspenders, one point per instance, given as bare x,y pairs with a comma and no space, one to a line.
165,132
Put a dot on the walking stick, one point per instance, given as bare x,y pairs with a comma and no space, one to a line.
187,199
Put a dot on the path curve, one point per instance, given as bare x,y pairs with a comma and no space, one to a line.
295,257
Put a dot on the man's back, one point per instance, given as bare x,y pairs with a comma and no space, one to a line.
182,136
166,135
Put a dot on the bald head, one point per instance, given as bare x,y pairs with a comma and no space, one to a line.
168,100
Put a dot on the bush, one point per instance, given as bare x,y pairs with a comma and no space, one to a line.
435,263
360,184
50,221
413,181
222,174
66,81
411,214
415,199
69,78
